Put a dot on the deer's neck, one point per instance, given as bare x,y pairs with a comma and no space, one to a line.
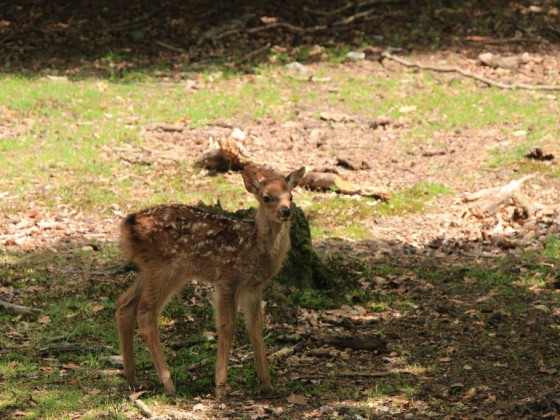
273,239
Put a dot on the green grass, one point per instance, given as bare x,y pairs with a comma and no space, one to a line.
57,159
353,217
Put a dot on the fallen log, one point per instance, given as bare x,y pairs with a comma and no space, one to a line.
327,181
231,155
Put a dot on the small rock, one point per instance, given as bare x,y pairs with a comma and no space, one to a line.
298,69
356,55
238,134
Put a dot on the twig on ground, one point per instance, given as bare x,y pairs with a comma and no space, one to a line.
65,348
354,5
352,374
488,41
146,412
294,28
490,200
468,74
351,19
252,54
170,47
479,255
197,365
18,309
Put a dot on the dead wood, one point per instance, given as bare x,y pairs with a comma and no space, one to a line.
331,182
468,74
146,412
538,153
287,351
299,30
166,127
354,374
65,348
353,5
252,54
18,309
170,47
430,153
231,155
198,365
490,200
363,342
351,162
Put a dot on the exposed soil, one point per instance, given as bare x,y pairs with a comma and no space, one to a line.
458,345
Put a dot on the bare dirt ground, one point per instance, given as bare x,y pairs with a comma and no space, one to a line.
459,345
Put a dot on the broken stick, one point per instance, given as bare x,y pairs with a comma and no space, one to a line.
18,309
490,200
468,74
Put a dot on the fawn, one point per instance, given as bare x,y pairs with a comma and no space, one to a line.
175,243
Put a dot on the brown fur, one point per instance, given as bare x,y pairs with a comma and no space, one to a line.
176,243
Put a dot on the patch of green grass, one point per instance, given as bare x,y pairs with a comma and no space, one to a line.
412,199
72,123
353,217
552,249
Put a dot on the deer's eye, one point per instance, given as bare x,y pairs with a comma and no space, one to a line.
266,199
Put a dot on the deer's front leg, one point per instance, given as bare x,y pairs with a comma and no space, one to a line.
252,309
225,325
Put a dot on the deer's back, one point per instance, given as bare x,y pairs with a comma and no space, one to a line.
190,239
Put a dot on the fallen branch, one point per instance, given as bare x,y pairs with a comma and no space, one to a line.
252,54
468,74
232,155
492,199
490,41
286,351
353,374
299,30
65,348
170,47
18,309
353,5
146,412
355,342
167,127
332,182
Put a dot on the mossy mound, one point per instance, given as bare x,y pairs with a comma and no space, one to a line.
303,267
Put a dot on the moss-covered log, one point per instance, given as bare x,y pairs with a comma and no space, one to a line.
302,268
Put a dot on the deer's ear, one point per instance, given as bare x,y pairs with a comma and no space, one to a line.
251,181
295,178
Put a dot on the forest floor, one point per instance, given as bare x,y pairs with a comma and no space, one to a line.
468,304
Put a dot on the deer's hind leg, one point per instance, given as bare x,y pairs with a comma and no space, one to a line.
126,324
155,295
226,307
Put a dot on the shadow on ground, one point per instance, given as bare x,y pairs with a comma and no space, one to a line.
475,337
113,38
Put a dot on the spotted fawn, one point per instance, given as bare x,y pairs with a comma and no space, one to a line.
175,243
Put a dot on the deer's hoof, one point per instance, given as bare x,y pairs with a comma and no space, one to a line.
169,389
221,391
266,389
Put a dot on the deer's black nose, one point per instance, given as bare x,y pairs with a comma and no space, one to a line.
285,212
